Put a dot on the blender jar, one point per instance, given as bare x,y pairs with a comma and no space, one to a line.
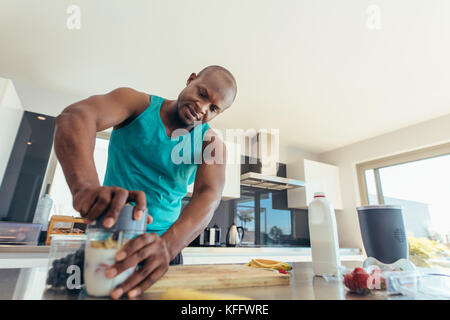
101,248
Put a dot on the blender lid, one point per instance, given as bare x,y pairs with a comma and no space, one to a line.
124,222
382,206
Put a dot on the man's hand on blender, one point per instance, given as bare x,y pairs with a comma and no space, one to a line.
151,252
93,201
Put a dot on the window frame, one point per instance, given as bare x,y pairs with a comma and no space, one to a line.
402,158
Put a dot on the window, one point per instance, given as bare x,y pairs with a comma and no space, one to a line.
263,225
418,181
60,192
275,224
245,217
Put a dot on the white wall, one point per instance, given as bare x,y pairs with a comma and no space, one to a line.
422,135
11,112
291,154
39,99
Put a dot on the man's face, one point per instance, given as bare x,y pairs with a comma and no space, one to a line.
204,97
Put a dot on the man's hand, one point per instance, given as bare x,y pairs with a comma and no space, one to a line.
94,201
148,248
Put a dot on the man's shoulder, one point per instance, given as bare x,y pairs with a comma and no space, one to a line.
136,101
127,92
212,135
214,148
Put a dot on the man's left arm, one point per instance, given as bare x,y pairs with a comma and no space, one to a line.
156,252
194,218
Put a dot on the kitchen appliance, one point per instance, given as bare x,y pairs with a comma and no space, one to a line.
211,236
263,174
383,232
234,237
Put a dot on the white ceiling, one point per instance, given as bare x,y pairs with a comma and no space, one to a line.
309,68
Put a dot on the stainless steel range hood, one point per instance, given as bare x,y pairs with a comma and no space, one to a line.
267,149
259,180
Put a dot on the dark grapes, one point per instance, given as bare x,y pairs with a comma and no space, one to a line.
57,275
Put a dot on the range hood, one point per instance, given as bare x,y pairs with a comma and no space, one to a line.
265,176
260,180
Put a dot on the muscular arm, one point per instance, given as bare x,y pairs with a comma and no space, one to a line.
208,187
77,125
75,132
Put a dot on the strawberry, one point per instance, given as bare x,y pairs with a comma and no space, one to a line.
349,282
359,270
362,280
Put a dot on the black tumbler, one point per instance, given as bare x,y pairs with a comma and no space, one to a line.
383,232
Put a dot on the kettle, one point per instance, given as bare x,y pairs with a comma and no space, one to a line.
234,237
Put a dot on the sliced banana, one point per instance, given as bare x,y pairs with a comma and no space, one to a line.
109,243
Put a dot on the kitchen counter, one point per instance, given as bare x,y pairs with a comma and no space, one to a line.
29,283
204,255
37,256
17,256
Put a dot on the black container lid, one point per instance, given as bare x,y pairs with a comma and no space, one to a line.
124,222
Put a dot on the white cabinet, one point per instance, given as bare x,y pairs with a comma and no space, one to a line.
319,177
11,112
232,187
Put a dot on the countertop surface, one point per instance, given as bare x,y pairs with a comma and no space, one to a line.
23,249
46,249
7,251
29,283
38,256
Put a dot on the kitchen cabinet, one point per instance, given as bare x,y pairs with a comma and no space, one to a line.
319,177
11,112
232,187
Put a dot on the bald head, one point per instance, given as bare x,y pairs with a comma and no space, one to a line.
207,94
221,71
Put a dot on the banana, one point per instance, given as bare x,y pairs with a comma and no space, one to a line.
269,264
190,294
110,243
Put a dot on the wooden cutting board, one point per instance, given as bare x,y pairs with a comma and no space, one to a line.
216,276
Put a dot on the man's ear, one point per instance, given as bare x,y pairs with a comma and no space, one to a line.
193,76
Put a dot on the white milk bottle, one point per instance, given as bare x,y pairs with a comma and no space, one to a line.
323,236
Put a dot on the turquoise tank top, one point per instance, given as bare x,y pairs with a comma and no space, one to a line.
142,157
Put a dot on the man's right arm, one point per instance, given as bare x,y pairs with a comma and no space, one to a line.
75,133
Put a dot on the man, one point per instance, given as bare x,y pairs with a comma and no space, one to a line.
141,168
